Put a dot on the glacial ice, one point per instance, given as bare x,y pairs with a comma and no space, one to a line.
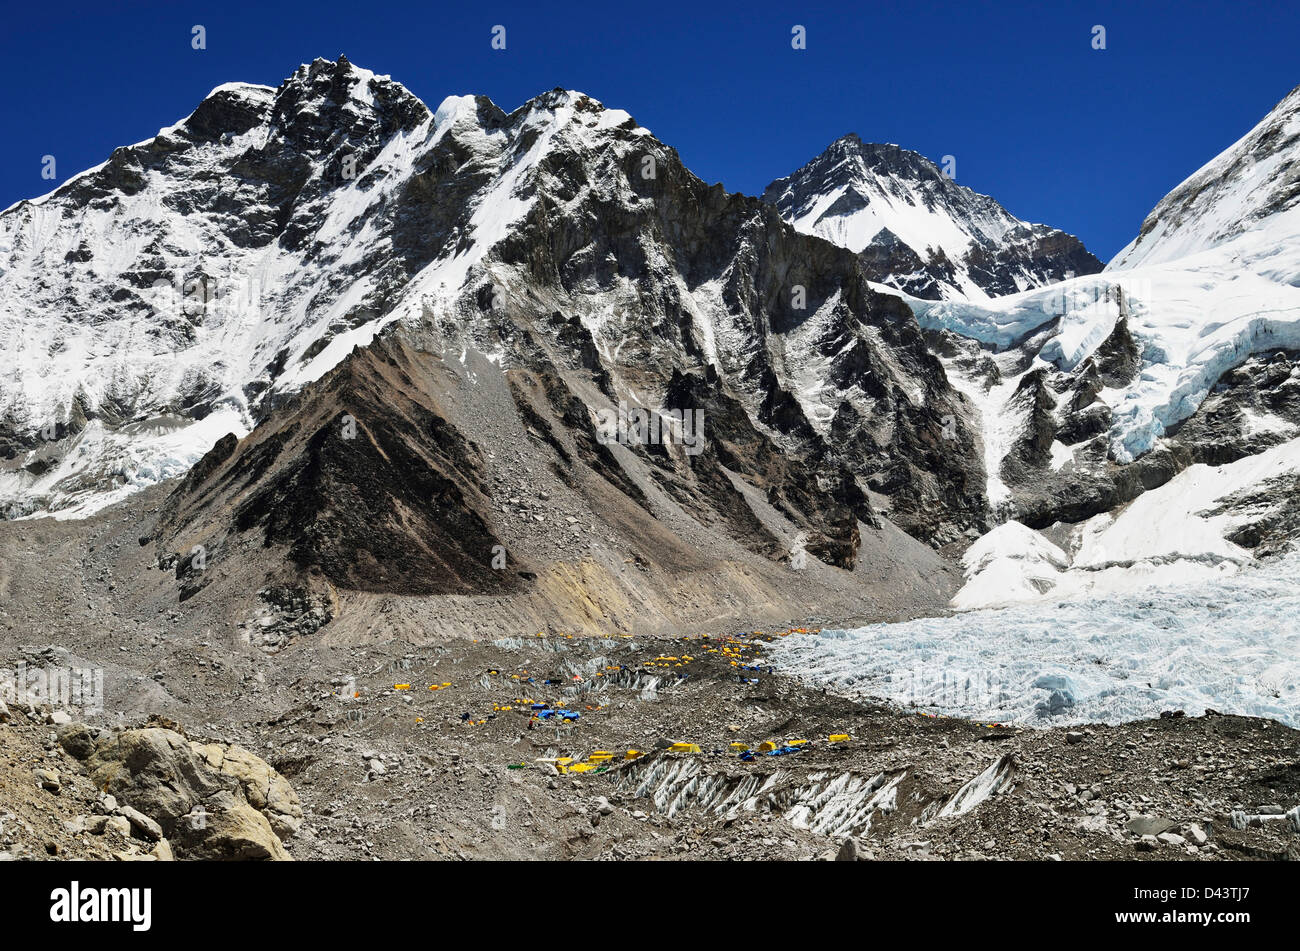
1229,644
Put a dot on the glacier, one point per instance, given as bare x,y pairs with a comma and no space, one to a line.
1194,319
1228,644
1212,278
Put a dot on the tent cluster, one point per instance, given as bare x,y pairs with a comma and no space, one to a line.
543,711
782,748
597,761
743,652
600,760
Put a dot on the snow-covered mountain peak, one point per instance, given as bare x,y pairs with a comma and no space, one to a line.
854,189
564,107
1253,185
1169,383
192,282
195,275
855,162
917,229
336,100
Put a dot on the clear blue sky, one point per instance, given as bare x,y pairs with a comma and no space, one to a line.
1081,139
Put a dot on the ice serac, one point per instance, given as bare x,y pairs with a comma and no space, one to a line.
1169,384
917,230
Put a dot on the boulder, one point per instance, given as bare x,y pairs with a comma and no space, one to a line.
48,779
207,801
155,771
264,788
77,739
1149,825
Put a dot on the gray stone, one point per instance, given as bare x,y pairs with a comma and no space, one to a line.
142,824
48,779
1149,825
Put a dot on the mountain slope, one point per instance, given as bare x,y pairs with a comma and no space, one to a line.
193,276
468,222
446,308
918,230
1172,378
1245,188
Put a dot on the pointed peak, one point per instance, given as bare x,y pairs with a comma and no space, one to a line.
339,88
849,158
589,111
559,98
332,76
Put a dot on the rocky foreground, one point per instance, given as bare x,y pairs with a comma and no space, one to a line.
470,749
73,791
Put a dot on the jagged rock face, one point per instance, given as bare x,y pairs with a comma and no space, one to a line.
561,240
826,515
705,282
917,230
1090,393
1253,408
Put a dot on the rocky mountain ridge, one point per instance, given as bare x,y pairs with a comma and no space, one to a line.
340,312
